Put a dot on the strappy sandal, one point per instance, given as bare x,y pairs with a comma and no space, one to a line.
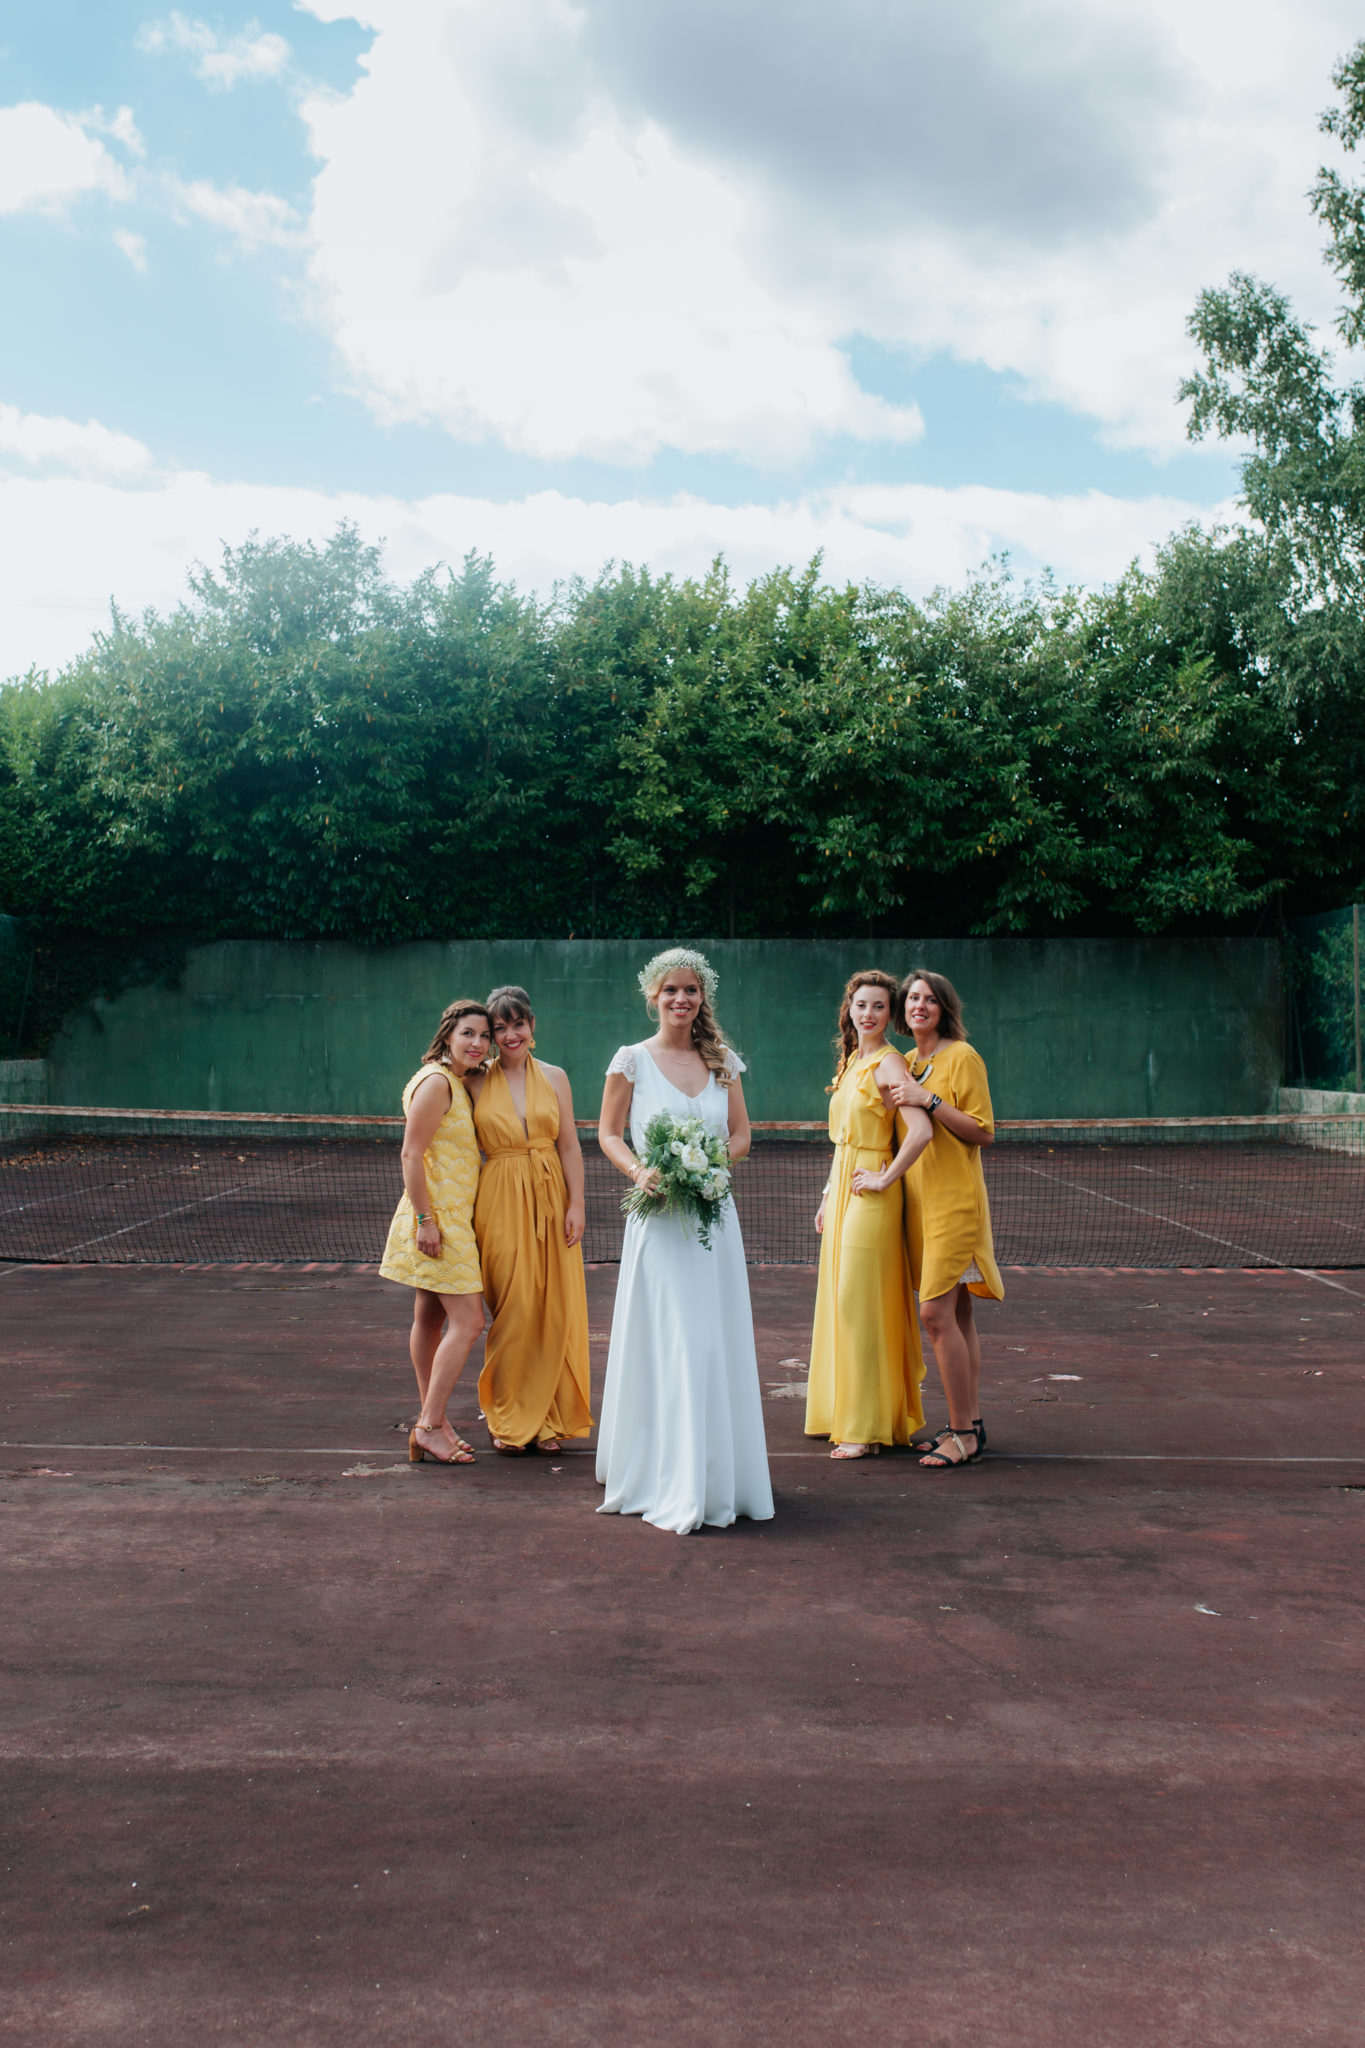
461,1453
847,1451
927,1443
505,1448
979,1432
946,1463
549,1446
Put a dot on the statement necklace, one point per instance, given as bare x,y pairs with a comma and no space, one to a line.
918,1072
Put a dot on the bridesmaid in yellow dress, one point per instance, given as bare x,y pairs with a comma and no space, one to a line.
529,1221
865,1359
431,1245
948,1218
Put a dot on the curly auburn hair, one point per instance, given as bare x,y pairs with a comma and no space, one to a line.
950,1024
846,1038
707,1037
436,1053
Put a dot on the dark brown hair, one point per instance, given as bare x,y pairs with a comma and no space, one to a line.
509,1005
435,1054
950,1024
846,1039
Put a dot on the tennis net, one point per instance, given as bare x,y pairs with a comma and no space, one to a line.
158,1187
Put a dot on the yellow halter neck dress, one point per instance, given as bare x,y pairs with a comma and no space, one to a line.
865,1359
534,1381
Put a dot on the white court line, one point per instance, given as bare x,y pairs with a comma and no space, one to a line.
224,1450
103,1187
1229,1243
390,1451
182,1209
1307,1273
1275,1210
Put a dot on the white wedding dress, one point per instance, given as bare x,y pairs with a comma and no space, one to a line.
681,1437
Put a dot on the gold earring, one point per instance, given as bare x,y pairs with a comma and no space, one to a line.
531,1046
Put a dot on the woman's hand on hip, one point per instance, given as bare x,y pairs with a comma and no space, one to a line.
575,1218
865,1183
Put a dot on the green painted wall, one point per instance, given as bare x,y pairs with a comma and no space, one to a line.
1068,1027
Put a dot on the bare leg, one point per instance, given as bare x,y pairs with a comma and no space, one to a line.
956,1351
464,1323
428,1323
966,1323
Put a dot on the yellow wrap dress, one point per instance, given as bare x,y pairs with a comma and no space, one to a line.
947,1215
865,1359
534,1381
452,1168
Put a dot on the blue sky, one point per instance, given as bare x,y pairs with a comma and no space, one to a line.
624,280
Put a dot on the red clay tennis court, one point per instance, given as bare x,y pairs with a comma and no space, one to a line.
306,1746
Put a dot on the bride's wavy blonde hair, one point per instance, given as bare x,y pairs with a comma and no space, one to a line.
707,1037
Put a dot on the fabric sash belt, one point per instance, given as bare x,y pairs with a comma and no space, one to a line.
538,1151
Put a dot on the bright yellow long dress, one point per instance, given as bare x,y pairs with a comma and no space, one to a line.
534,1381
947,1215
865,1359
452,1167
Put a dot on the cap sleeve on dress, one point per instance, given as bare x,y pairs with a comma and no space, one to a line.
623,1062
734,1065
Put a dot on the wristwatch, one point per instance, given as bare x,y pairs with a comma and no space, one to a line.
934,1102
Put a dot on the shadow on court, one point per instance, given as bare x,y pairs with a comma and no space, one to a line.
305,1746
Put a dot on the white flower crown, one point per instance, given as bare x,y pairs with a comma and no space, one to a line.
680,956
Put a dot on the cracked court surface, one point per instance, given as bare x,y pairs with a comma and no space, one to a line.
303,1745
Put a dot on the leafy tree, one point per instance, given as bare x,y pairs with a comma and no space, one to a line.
1296,581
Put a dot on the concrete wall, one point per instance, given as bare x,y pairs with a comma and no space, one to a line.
23,1080
1079,1027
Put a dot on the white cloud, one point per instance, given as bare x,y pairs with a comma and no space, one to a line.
121,125
69,547
221,61
584,288
592,226
47,159
133,246
50,442
253,219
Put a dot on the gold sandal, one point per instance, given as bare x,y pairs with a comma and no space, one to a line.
461,1453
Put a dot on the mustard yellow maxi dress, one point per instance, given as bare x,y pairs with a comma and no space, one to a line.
947,1215
865,1359
452,1166
534,1381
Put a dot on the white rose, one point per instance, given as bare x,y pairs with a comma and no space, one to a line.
693,1158
677,1148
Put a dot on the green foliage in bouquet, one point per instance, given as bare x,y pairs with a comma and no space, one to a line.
693,1164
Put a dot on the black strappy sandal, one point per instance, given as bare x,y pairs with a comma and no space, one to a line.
979,1432
964,1457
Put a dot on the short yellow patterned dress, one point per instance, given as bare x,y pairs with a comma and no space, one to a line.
452,1165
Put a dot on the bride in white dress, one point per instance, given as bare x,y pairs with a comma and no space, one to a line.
681,1436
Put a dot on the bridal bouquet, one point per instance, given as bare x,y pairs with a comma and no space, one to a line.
693,1164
